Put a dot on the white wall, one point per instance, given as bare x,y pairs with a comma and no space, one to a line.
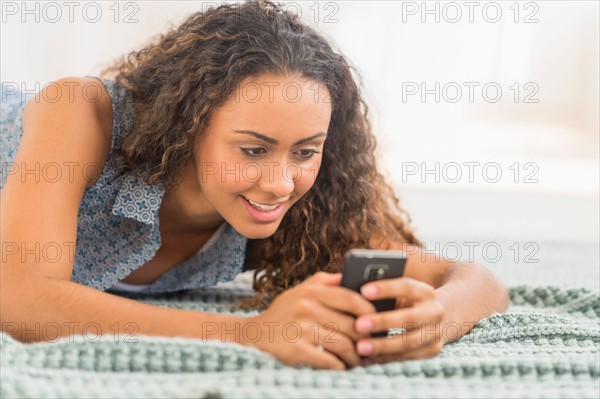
397,47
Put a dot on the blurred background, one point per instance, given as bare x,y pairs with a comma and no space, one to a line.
487,113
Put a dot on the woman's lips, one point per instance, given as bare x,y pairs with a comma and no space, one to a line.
263,216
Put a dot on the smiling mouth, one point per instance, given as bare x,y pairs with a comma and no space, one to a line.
263,207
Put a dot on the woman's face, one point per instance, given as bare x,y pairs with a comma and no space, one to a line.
262,151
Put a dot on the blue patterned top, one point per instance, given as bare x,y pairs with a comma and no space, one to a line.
118,225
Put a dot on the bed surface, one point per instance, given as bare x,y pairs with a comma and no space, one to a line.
546,345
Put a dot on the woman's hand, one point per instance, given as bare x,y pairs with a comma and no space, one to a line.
418,311
312,323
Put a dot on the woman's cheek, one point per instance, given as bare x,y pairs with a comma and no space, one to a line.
307,178
312,169
250,174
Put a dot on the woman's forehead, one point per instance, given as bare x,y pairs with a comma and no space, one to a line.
276,101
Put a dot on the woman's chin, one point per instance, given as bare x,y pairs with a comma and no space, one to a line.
256,232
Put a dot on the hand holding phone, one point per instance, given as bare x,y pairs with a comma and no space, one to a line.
364,265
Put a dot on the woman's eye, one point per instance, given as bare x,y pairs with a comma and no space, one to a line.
307,154
253,152
257,151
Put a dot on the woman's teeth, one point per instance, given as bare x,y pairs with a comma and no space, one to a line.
262,207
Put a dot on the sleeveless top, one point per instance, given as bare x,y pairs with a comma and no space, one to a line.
117,224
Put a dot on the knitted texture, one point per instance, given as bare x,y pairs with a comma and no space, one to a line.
545,345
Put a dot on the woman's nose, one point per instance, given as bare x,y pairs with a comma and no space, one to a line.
278,178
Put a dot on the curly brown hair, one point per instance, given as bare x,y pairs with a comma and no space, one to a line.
180,77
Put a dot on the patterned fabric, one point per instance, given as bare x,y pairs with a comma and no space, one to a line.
545,346
118,225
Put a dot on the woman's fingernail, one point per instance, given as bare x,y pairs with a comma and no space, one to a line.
365,348
370,291
364,325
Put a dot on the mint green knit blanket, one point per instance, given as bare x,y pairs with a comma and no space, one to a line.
545,346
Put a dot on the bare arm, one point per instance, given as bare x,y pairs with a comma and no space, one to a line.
469,293
44,309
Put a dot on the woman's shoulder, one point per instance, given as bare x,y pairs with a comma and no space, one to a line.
110,97
116,113
102,97
80,104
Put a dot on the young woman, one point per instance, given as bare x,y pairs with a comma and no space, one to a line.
237,141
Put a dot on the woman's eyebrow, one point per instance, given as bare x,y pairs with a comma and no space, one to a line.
271,140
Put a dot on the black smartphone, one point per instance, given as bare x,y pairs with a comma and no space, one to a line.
364,265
